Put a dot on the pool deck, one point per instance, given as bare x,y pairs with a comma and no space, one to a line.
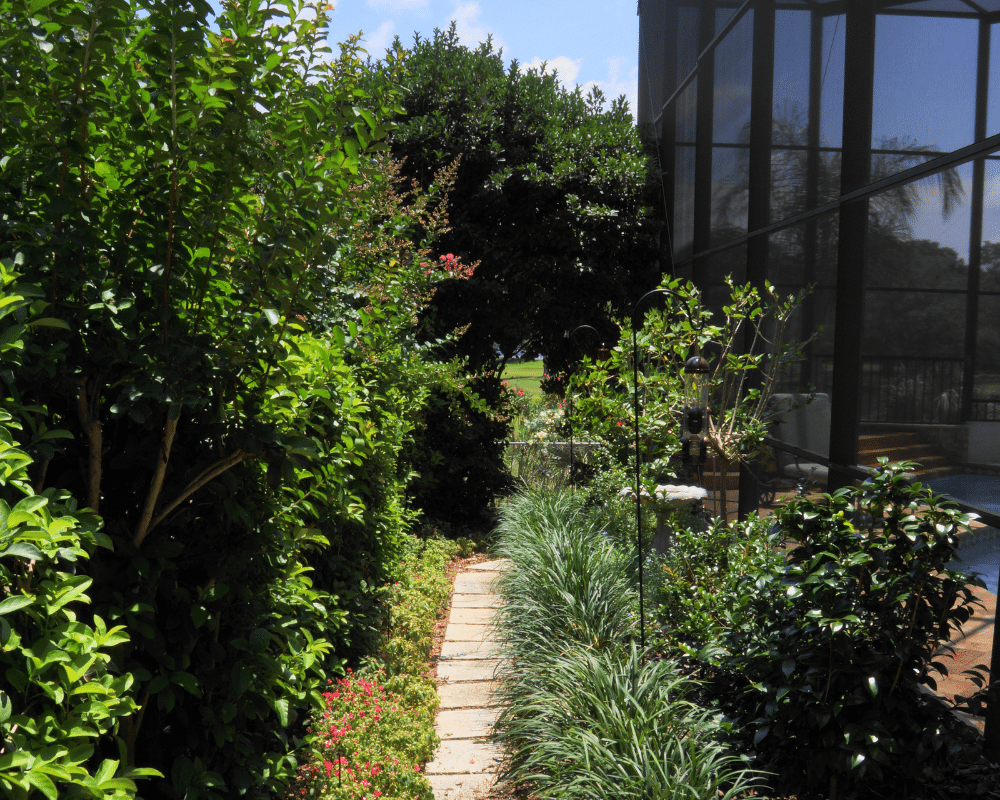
972,648
975,644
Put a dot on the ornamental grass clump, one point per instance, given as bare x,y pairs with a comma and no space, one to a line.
612,724
585,713
569,581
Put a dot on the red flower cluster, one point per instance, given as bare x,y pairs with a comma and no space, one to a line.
454,267
352,765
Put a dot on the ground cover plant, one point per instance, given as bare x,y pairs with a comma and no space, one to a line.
376,729
586,714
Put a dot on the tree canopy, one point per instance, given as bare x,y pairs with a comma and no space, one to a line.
552,196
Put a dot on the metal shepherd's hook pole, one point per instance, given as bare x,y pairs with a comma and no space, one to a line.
640,307
569,399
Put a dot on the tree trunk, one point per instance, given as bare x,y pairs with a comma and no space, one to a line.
89,414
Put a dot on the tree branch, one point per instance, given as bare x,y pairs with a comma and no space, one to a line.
206,475
156,485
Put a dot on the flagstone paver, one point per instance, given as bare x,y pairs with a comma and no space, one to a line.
471,694
472,616
461,787
476,601
475,583
451,650
497,565
465,765
464,756
479,670
465,723
460,632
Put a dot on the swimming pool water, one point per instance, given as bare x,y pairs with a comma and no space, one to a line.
980,490
983,558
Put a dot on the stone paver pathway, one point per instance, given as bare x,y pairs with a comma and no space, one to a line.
465,765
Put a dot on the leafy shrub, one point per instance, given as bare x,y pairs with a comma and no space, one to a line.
62,697
702,574
457,453
747,347
834,642
238,365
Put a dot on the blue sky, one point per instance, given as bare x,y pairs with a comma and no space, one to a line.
587,41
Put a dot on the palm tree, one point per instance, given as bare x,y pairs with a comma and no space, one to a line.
791,183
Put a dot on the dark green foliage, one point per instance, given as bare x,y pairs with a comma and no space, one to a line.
549,204
702,575
458,453
551,197
834,643
61,690
170,184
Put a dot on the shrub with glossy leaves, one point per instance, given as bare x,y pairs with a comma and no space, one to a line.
61,696
834,642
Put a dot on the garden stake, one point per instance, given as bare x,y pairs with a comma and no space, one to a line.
644,301
569,399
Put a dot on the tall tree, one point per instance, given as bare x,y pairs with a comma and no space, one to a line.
553,196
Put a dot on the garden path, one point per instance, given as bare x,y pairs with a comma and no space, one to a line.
465,764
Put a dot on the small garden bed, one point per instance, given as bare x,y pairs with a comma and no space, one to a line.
377,730
789,674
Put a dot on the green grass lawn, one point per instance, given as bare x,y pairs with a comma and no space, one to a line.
525,375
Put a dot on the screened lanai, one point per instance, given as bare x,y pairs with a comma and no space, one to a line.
852,147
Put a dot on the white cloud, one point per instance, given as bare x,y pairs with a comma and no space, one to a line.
471,31
621,80
378,42
400,5
566,68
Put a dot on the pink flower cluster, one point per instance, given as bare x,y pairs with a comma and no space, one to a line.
352,763
451,264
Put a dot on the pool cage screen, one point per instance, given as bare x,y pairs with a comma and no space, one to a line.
852,148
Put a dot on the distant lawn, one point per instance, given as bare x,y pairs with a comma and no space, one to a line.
525,375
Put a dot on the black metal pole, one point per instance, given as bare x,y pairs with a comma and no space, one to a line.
572,334
572,483
640,306
638,477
